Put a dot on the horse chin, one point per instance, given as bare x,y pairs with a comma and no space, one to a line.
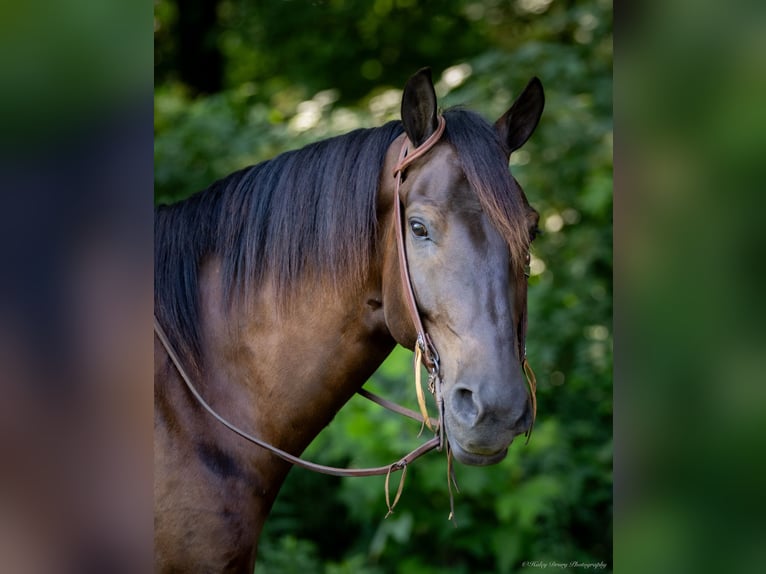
476,458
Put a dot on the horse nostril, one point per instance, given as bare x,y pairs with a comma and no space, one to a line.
464,405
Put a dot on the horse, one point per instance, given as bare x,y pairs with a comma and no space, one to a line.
280,289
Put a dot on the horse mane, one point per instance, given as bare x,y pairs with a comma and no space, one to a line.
485,165
308,212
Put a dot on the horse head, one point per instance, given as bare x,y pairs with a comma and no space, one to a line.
466,226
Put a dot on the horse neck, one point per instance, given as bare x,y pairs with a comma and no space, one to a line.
285,374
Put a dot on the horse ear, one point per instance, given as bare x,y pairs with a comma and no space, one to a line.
520,121
419,107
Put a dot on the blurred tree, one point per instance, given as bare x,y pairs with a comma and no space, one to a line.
346,45
188,48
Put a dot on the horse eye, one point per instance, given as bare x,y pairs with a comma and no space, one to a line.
418,229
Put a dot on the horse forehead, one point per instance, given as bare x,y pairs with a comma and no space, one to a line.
444,162
443,177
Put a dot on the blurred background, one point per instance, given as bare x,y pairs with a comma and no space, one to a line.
76,287
239,82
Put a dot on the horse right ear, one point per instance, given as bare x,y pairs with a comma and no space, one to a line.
419,107
520,121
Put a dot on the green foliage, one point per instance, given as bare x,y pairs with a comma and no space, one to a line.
550,500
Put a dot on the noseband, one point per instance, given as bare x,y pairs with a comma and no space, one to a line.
425,351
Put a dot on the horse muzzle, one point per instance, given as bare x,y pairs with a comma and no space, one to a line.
479,431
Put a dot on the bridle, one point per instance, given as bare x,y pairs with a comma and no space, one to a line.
424,346
425,352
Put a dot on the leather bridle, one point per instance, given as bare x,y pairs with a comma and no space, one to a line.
423,342
424,345
425,351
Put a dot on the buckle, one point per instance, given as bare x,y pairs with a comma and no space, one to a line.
430,354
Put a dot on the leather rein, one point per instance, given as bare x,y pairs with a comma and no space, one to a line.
425,352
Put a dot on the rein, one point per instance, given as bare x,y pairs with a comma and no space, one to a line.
401,464
425,353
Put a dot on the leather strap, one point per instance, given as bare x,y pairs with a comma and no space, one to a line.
380,470
430,355
529,374
393,407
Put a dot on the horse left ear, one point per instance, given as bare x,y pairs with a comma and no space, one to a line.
520,121
419,107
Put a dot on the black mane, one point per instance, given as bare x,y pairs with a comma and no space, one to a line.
306,211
